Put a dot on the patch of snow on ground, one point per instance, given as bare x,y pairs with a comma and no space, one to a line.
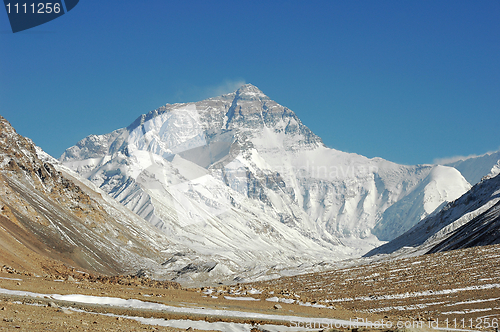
241,298
417,294
11,279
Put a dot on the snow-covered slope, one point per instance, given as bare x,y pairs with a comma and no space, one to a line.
471,220
443,184
240,177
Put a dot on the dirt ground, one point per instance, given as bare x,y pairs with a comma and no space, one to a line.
47,314
461,286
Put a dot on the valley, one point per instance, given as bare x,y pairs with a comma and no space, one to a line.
229,214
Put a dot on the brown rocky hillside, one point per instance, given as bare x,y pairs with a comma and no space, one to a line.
45,216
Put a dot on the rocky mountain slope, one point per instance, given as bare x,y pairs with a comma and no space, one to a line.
241,178
47,216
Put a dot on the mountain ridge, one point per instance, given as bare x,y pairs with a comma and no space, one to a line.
239,160
49,216
476,167
467,217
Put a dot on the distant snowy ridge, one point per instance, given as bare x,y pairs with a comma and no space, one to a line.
443,184
473,219
240,177
474,168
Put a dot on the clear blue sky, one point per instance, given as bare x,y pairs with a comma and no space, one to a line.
408,81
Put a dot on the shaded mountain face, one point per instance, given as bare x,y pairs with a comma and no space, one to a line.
472,220
241,178
47,216
484,228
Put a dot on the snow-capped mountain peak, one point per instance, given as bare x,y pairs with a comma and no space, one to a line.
250,92
241,166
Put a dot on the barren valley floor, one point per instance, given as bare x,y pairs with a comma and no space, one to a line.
461,287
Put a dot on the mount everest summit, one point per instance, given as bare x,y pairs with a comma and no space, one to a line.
241,179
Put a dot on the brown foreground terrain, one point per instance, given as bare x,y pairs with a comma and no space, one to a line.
28,313
461,286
